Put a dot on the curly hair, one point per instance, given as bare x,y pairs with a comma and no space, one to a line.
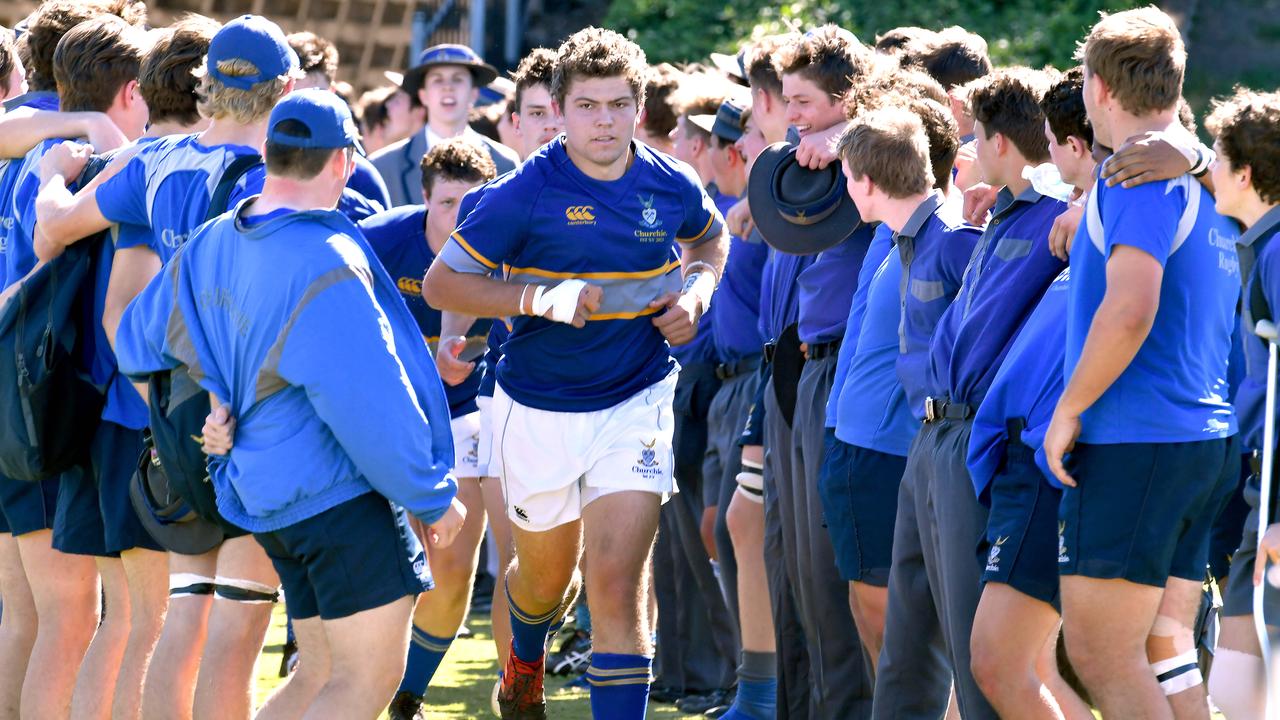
1140,55
1008,102
535,69
1063,107
457,159
94,60
315,54
1247,126
8,58
829,56
598,53
166,77
54,18
906,82
758,62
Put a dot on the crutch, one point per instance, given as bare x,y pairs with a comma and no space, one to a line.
1267,330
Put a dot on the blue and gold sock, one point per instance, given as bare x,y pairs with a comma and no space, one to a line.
619,686
529,632
425,655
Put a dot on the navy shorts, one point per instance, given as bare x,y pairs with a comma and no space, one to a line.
1225,536
77,523
28,506
1142,512
1021,545
355,556
859,490
114,456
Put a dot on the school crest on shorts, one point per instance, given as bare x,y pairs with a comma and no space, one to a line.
647,464
648,216
993,556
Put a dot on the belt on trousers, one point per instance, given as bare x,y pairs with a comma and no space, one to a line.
823,350
724,371
942,408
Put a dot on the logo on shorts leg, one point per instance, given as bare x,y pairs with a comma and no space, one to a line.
993,557
520,513
419,565
1062,543
647,465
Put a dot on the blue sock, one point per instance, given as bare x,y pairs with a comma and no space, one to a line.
529,632
619,686
425,654
757,700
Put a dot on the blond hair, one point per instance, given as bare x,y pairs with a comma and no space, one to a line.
217,100
1139,54
889,146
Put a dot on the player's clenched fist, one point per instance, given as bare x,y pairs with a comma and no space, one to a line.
65,159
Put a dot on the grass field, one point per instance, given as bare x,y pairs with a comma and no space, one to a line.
461,688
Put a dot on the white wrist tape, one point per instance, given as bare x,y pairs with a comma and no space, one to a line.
702,285
561,300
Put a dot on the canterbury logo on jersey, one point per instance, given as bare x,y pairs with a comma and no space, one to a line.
409,286
580,215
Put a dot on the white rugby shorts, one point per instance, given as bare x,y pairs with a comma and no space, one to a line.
553,464
484,448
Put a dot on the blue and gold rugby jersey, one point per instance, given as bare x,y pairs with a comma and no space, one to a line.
546,222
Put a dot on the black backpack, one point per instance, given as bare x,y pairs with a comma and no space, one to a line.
179,405
48,402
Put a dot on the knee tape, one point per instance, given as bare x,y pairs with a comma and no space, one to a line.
1178,673
751,481
189,584
244,591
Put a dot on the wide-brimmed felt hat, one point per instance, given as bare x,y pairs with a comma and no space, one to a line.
448,54
165,515
726,123
798,210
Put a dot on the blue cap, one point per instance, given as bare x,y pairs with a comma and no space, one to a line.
325,115
257,40
448,54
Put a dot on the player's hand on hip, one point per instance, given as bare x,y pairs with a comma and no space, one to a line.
66,159
442,532
1059,440
219,431
678,323
452,370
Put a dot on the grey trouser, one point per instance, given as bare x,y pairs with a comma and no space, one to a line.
838,670
935,582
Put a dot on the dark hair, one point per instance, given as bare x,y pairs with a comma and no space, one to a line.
295,162
535,69
165,78
371,108
955,57
458,159
8,58
1008,102
93,61
54,18
1247,126
484,120
902,38
315,54
761,72
598,53
660,86
829,56
1063,107
886,79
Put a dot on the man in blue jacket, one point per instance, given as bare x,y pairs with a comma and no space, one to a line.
274,307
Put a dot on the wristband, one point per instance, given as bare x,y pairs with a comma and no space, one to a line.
1204,158
561,301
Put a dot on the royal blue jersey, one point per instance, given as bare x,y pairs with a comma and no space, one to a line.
780,291
1003,281
934,246
1175,389
1260,267
548,221
736,306
288,320
10,170
20,255
826,288
881,245
871,409
167,187
1026,388
399,239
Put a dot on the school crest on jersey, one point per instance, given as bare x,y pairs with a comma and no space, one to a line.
648,216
